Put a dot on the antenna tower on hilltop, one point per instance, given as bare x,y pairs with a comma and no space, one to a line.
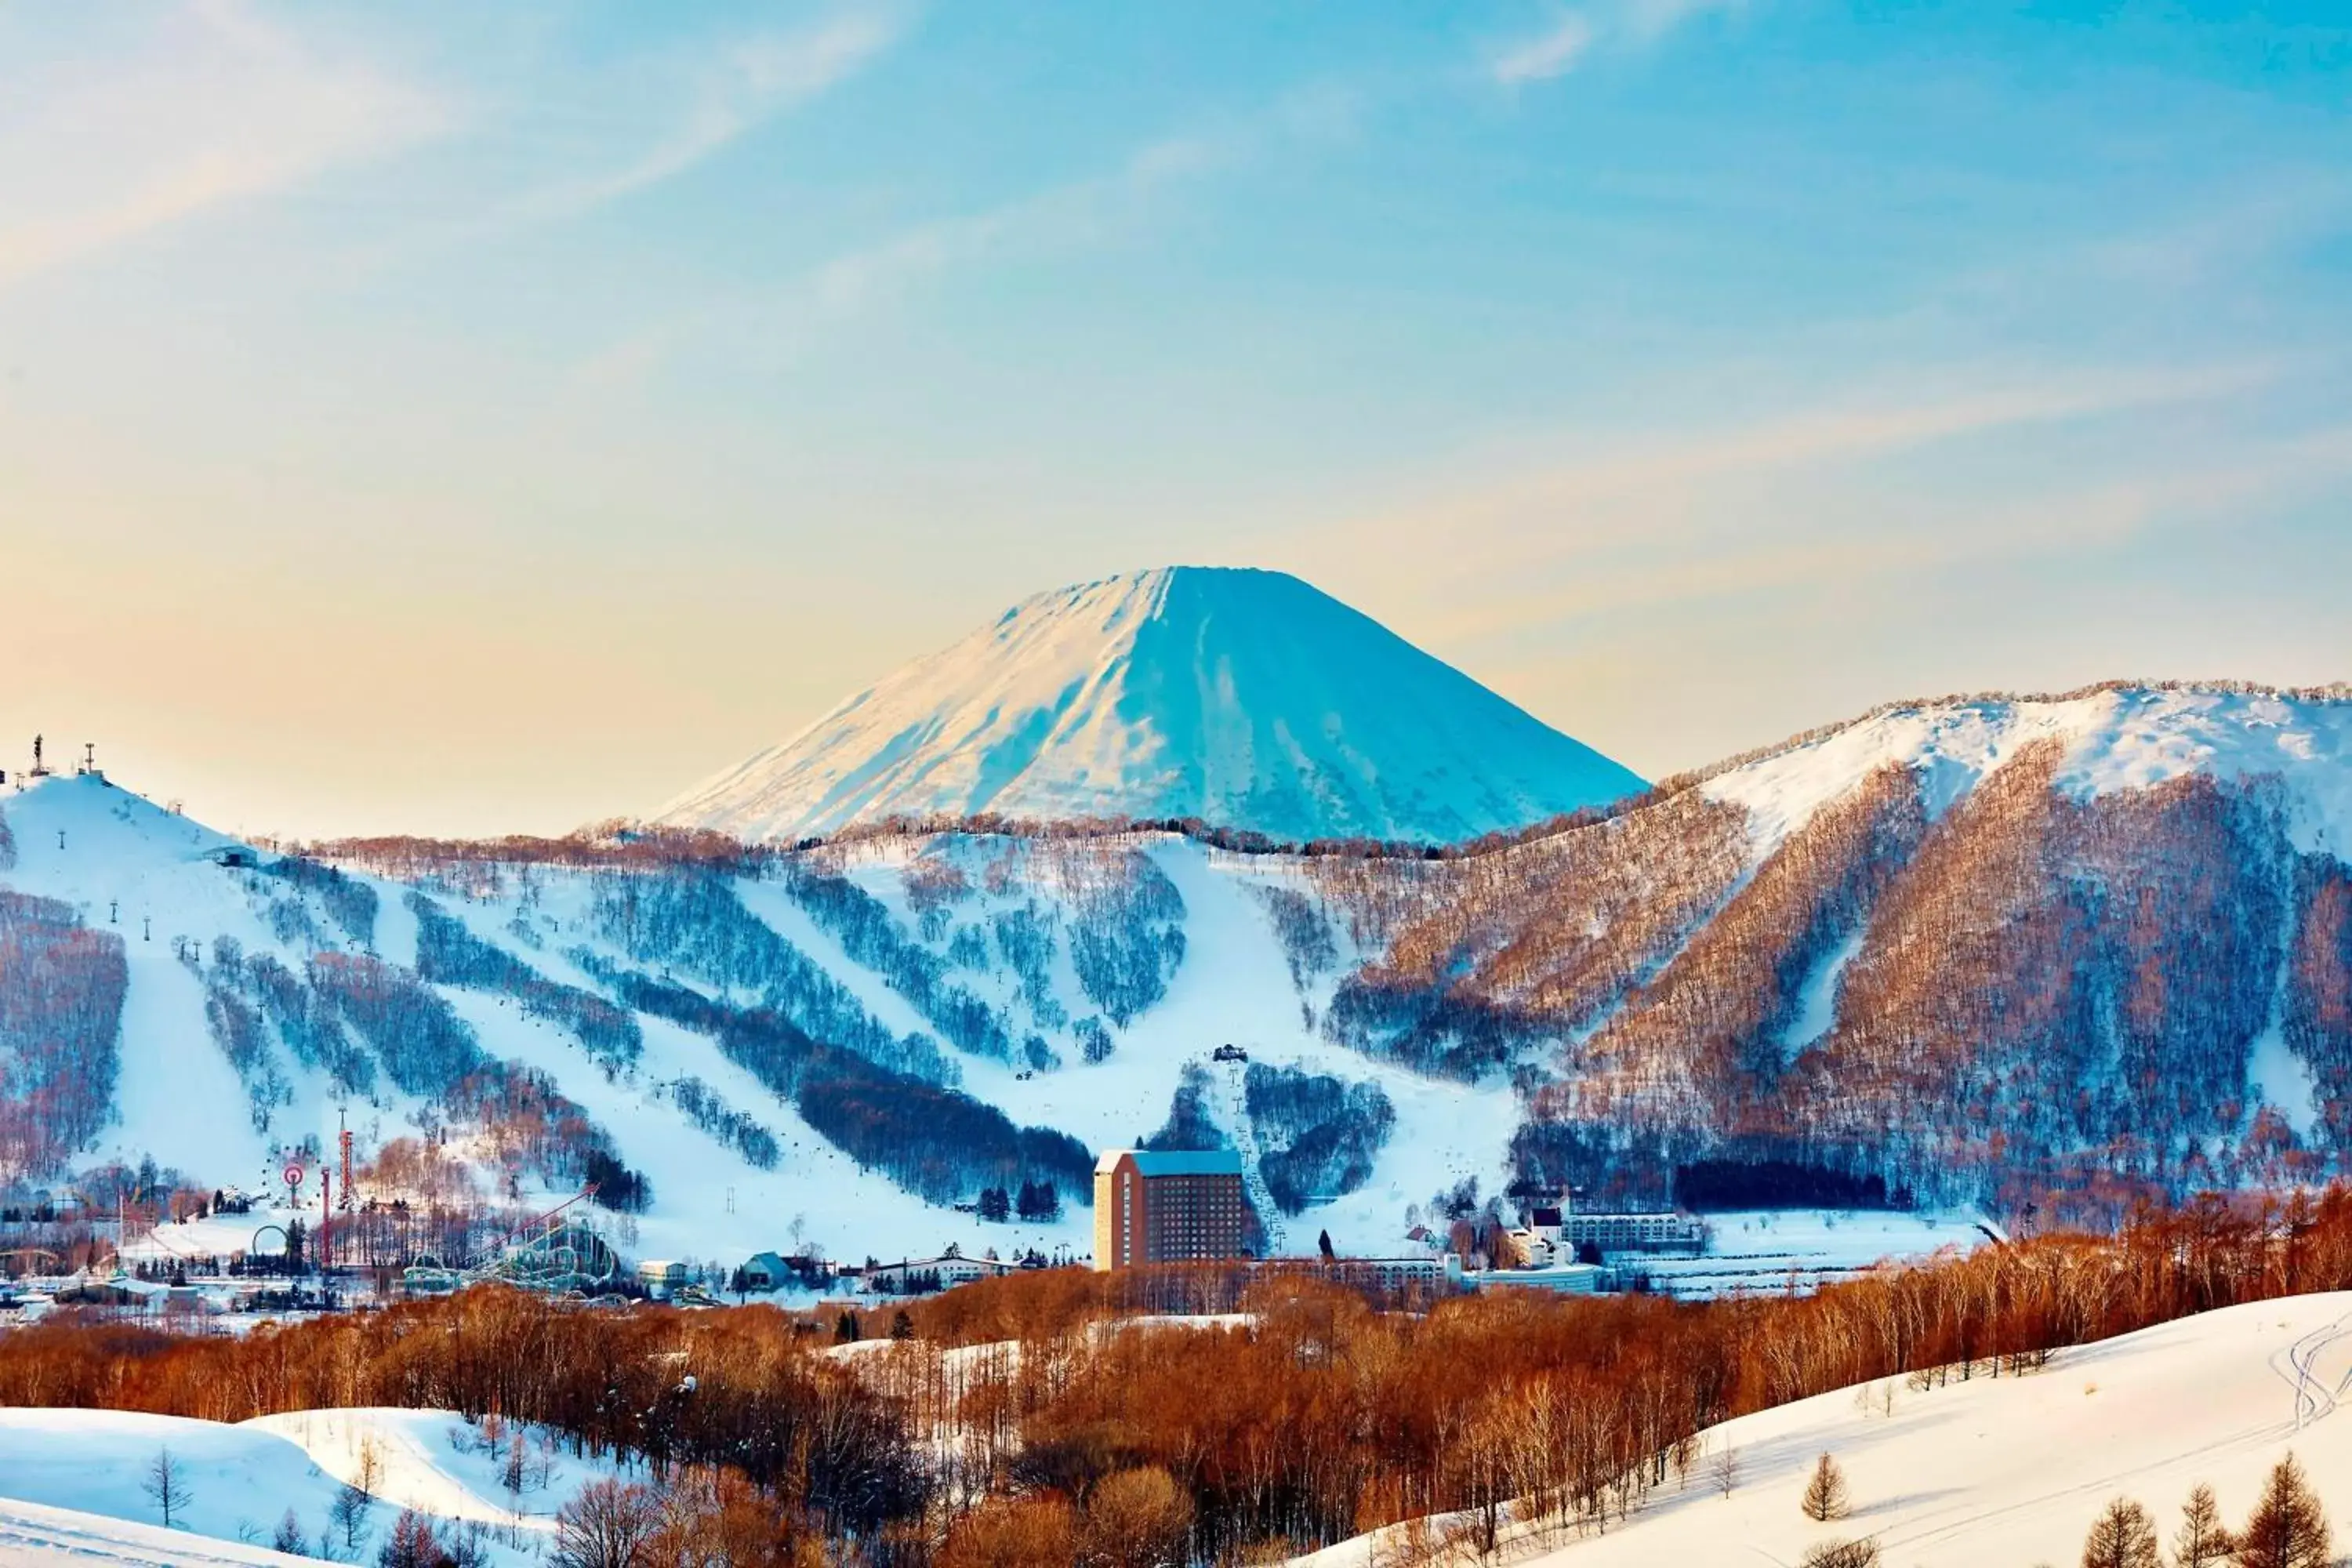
39,770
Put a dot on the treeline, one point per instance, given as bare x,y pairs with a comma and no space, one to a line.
2317,1024
425,1047
618,844
936,1142
350,901
1485,955
1714,1186
872,936
447,953
1318,1136
694,922
2036,998
1127,935
739,1130
62,992
243,991
1329,1418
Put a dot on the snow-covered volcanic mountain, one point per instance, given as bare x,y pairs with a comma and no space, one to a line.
1244,698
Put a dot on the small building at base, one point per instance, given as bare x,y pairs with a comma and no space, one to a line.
919,1276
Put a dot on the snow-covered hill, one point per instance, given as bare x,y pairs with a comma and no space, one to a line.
967,988
74,1484
1244,699
2113,738
2012,1469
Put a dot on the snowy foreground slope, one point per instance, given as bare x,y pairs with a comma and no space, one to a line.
1246,698
71,1484
2012,1469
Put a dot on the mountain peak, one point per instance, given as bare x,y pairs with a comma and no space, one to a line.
1246,698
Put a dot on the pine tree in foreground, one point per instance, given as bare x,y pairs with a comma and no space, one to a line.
2288,1529
1825,1494
2202,1540
2125,1537
413,1544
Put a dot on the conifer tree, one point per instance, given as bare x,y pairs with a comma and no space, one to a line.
2202,1540
2288,1529
1825,1494
2124,1537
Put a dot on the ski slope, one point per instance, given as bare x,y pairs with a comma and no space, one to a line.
2010,1469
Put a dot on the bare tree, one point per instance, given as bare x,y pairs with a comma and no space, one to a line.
288,1538
2124,1537
605,1526
166,1487
371,1464
1724,1470
350,1511
1863,1553
2202,1540
1826,1495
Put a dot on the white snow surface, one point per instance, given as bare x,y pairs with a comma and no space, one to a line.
71,1484
35,1536
1245,697
435,1462
2012,1469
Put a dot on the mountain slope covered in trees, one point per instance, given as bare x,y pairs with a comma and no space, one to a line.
2011,951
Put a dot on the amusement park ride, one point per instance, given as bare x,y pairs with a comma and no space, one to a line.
558,1253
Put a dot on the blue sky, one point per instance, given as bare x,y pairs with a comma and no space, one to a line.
464,418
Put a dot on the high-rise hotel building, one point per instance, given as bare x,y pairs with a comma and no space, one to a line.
1169,1207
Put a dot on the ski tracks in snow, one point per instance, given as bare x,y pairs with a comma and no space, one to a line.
2314,1400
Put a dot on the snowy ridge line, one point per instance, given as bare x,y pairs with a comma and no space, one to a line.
653,845
2335,693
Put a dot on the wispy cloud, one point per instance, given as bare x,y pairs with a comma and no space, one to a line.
1644,20
1746,505
1575,35
745,85
1551,54
1061,219
214,107
1080,213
